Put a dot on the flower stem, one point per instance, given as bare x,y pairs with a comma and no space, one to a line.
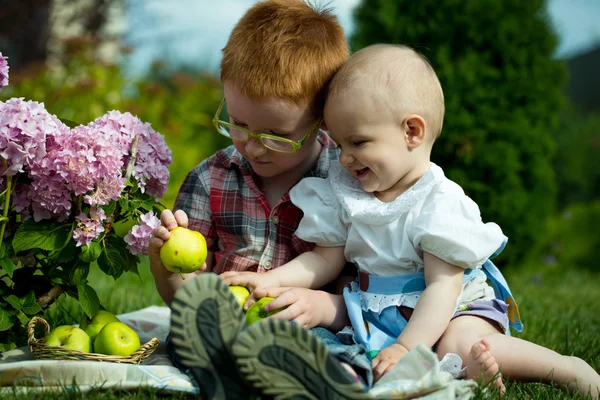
132,158
6,203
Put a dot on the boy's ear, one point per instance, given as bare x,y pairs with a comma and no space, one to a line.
414,130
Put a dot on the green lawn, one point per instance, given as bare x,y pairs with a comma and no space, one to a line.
558,307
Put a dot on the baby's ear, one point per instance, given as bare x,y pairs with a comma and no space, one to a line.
414,130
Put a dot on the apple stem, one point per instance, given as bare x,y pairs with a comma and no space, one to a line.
182,277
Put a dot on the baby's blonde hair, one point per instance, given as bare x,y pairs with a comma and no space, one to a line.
402,79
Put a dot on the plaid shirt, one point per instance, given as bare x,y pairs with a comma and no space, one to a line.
223,202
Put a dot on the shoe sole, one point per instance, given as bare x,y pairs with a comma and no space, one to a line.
286,361
205,320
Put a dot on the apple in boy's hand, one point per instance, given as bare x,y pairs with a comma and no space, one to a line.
70,337
184,252
240,293
96,323
116,339
256,312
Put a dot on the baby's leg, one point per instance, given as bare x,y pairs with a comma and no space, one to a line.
519,360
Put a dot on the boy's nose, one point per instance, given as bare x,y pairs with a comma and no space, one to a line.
254,148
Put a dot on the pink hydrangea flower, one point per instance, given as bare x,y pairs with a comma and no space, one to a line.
3,71
151,170
88,228
25,129
138,238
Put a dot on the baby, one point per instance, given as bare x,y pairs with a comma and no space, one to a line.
419,242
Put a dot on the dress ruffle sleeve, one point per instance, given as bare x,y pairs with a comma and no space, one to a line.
322,221
450,228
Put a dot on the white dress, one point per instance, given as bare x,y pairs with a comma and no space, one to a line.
386,239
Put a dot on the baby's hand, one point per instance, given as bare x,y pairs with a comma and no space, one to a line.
302,306
250,280
387,359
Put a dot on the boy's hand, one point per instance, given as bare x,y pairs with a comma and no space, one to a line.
304,306
387,359
160,235
251,280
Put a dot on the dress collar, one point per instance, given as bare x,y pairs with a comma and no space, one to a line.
365,207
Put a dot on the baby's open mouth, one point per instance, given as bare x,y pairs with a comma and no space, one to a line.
361,173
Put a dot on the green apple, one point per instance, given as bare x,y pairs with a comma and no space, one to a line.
240,293
184,252
70,337
96,323
116,339
256,312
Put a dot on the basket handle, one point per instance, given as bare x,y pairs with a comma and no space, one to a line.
31,329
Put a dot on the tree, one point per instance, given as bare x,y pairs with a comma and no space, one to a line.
503,96
32,31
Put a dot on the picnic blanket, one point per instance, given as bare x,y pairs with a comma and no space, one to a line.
418,375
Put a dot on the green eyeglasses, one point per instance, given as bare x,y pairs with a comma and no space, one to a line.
271,142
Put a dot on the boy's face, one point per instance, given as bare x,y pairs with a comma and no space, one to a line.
274,117
372,142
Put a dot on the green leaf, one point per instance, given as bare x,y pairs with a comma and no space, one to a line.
14,301
67,253
69,123
88,299
109,208
24,319
115,258
91,252
7,346
30,305
3,250
7,319
78,273
148,204
7,265
45,235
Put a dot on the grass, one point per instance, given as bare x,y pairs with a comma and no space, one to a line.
558,307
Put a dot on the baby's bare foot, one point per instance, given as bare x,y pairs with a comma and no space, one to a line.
483,367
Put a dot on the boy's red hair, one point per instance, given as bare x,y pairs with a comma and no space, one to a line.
284,49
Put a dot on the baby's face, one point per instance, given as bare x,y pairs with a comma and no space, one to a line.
372,142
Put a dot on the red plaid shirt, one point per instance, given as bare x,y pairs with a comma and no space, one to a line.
223,202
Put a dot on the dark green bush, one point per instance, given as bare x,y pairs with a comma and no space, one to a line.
503,99
576,159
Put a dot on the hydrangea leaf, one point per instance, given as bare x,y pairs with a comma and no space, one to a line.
45,235
88,299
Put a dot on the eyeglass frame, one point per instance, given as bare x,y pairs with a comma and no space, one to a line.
297,145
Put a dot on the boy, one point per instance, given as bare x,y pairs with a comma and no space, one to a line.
275,70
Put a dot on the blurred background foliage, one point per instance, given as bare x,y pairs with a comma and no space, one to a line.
521,148
503,96
180,105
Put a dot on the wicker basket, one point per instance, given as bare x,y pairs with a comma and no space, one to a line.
41,351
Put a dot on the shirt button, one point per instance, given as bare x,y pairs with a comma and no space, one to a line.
275,219
267,264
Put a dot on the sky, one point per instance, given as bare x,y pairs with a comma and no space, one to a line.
193,32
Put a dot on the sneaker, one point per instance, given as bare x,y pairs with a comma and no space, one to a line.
286,361
205,321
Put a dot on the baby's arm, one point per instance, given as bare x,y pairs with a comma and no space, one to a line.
436,305
430,317
312,269
168,282
307,307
